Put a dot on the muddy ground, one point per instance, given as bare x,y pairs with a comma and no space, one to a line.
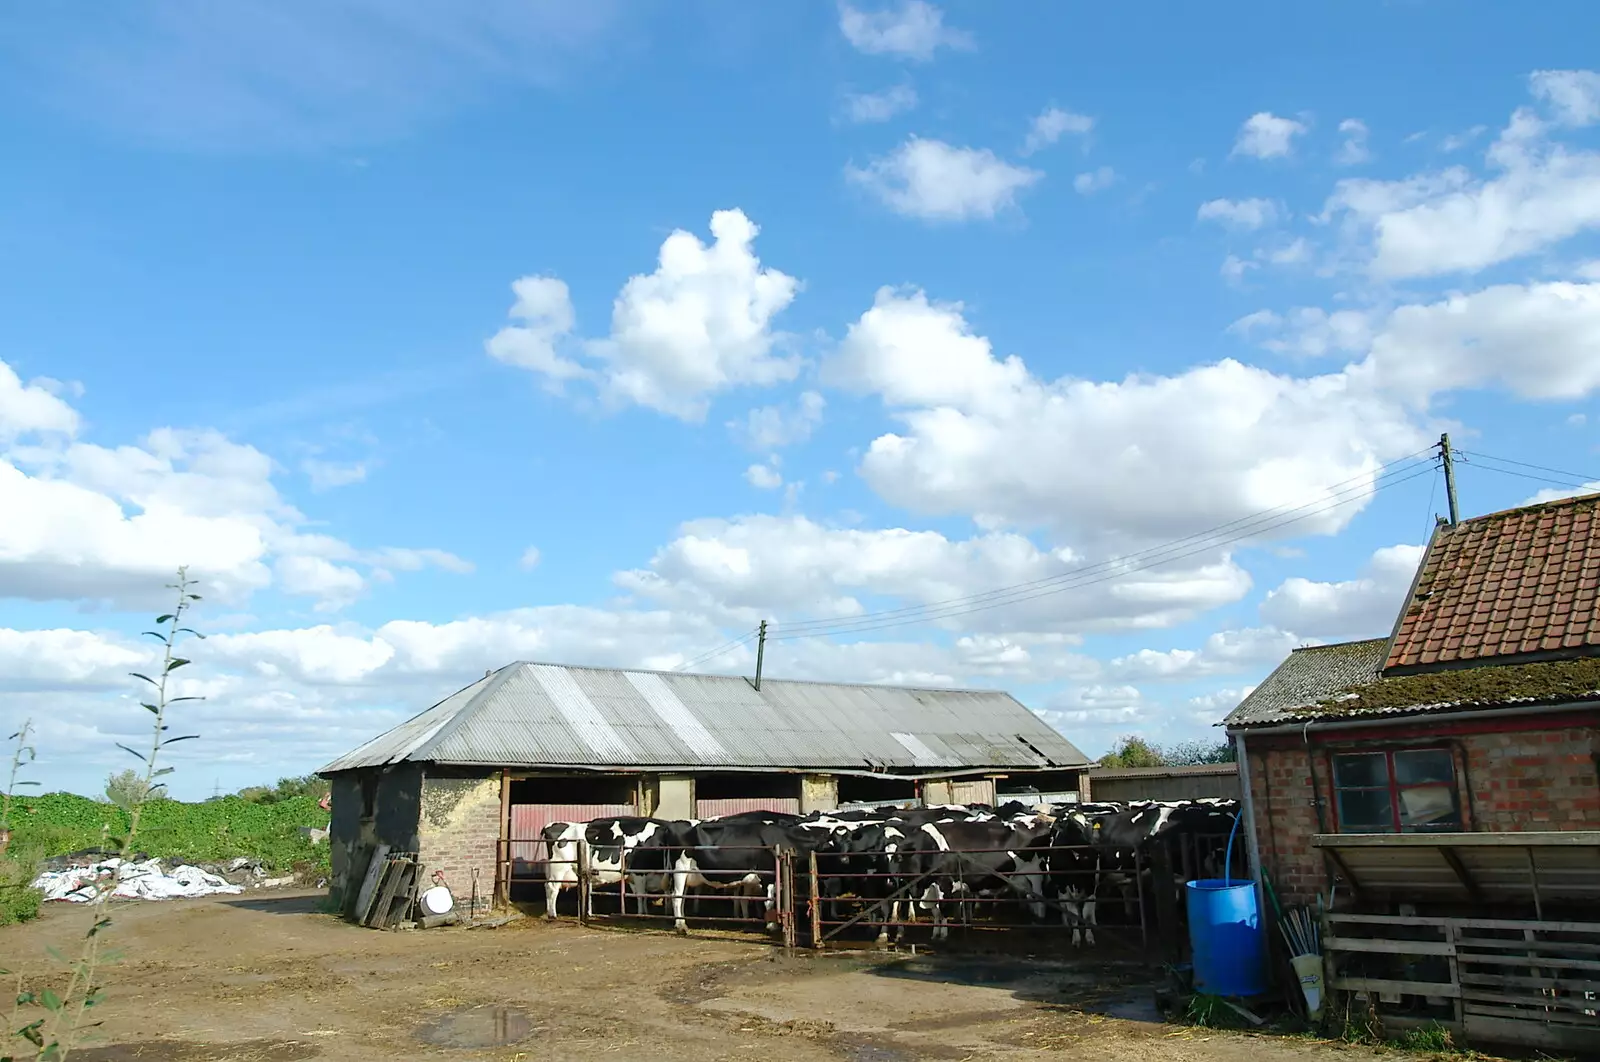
268,979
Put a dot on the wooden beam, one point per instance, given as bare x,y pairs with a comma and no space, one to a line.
1390,947
1537,839
1343,868
1374,985
1460,869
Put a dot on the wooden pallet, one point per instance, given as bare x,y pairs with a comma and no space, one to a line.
395,893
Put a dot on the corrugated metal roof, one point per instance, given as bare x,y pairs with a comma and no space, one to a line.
548,715
1309,676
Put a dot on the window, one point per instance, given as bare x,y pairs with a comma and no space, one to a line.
1399,791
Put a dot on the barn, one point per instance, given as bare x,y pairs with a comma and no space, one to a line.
1439,788
469,783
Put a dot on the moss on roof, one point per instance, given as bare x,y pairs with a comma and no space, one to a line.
1551,682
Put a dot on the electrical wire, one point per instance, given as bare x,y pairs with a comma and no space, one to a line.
1253,523
1074,581
723,649
1539,468
1567,483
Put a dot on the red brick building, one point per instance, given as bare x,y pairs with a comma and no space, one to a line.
1478,714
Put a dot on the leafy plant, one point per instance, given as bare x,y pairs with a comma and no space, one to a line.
19,901
1431,1037
126,788
49,1022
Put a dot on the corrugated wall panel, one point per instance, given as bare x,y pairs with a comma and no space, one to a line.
529,820
710,809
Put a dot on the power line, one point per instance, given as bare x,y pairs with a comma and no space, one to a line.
1580,477
1529,476
1252,523
1075,580
726,647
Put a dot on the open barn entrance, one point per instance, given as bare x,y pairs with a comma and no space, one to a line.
537,802
873,792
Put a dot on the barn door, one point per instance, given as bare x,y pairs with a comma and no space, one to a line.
975,791
710,809
529,820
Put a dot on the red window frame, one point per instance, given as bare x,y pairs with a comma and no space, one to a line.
1395,789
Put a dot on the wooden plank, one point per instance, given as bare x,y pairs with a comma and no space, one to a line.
1389,947
1374,985
392,873
1554,962
1532,999
1385,920
1518,924
1549,1016
1562,1038
1356,887
1560,984
1454,862
1573,947
369,883
1540,839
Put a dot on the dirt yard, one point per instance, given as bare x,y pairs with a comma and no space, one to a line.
267,979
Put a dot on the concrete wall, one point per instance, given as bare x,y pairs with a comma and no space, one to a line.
459,830
818,792
675,797
1529,774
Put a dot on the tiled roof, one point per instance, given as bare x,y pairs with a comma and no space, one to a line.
1504,585
1309,676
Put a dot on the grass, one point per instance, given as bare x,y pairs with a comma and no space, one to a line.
1431,1039
1210,1012
18,903
171,830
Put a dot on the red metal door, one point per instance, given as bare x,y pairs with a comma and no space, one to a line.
529,820
710,809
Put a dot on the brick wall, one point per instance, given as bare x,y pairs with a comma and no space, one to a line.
1541,775
459,832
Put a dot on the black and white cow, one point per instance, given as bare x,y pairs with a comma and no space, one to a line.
605,841
739,856
962,859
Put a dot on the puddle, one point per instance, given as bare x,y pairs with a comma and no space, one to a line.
962,971
861,1051
478,1027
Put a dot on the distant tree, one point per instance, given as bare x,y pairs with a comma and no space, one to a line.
1189,753
127,789
306,785
1133,751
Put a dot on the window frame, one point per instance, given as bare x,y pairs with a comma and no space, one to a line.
1395,788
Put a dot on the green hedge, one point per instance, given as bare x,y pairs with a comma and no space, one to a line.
172,830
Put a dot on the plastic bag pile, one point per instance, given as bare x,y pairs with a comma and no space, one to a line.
112,878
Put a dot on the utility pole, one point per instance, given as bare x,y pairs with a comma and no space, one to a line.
1449,461
761,650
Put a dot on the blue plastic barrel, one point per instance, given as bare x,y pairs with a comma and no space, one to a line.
1225,934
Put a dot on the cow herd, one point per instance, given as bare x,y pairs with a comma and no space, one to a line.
889,864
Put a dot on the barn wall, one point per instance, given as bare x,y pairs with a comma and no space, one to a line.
676,799
1114,787
1531,774
369,807
818,792
459,830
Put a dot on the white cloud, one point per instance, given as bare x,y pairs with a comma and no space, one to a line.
1457,141
334,585
880,106
1227,652
1266,136
1354,150
1578,420
935,181
65,659
700,324
1550,494
742,570
1540,341
1364,607
1574,95
1094,180
91,523
327,475
544,305
1234,268
774,427
911,29
763,477
1247,214
530,559
27,409
1308,331
1147,458
1451,222
1051,124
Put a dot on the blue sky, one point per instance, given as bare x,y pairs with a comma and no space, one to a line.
819,312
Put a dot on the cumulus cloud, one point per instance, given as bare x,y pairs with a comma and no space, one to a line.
1146,458
1354,150
1308,331
1247,214
328,475
1226,652
92,523
1364,607
700,324
774,427
32,408
910,29
763,477
1094,180
935,181
1051,124
1264,135
880,106
746,569
1573,95
1429,224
